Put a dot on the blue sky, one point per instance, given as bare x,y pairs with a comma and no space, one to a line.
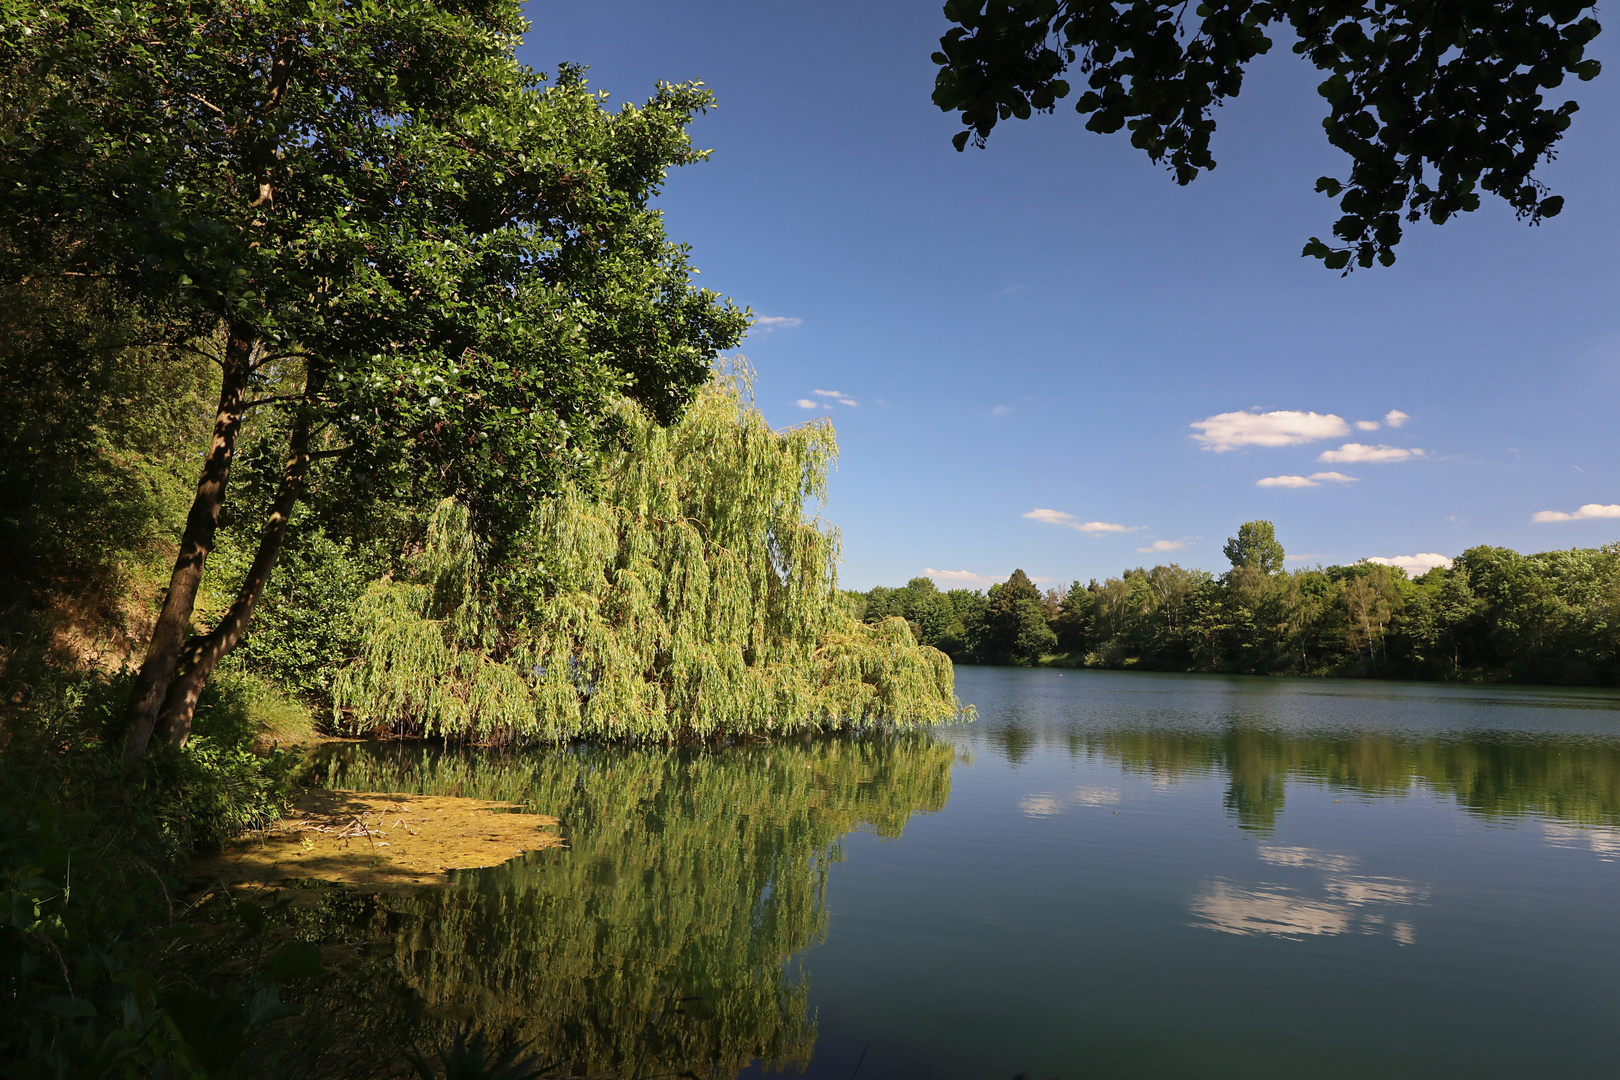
1036,327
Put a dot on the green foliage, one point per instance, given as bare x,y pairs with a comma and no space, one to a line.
687,594
306,619
936,619
1495,615
98,446
1433,103
453,255
91,983
64,751
1015,629
429,272
1255,547
475,1059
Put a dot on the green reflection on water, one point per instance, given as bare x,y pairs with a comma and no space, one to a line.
1494,774
654,943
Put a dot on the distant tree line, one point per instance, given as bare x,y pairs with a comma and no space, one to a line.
1494,615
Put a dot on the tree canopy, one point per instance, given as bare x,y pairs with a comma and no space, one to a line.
1494,615
1255,547
438,273
1433,103
685,594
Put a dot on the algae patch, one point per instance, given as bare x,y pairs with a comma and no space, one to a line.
379,841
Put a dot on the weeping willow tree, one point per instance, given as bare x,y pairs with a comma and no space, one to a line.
686,593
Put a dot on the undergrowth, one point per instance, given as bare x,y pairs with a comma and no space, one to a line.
94,979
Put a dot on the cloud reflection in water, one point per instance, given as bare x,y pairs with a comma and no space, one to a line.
1339,902
1604,842
1047,803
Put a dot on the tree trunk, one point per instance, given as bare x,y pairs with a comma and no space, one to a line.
203,654
169,635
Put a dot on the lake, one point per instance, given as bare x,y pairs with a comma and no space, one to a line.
1108,874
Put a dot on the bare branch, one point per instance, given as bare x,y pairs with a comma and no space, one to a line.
271,400
204,101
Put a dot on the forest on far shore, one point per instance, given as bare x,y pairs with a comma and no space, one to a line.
1494,616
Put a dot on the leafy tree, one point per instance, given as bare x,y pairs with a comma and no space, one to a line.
1371,598
381,226
1073,625
1495,615
972,610
1016,630
932,617
1433,103
936,619
685,594
1255,547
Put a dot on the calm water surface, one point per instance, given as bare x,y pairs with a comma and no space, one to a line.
1108,875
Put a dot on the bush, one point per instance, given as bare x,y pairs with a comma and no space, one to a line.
303,629
89,983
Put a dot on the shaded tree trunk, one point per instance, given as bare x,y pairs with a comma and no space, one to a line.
174,620
203,654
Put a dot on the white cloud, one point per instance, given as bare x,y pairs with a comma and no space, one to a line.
1058,517
1228,431
1414,565
806,403
1395,418
1313,480
1164,545
1001,410
837,395
1368,425
777,322
1353,452
962,577
1590,510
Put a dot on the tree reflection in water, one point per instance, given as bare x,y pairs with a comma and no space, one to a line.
655,942
1568,778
